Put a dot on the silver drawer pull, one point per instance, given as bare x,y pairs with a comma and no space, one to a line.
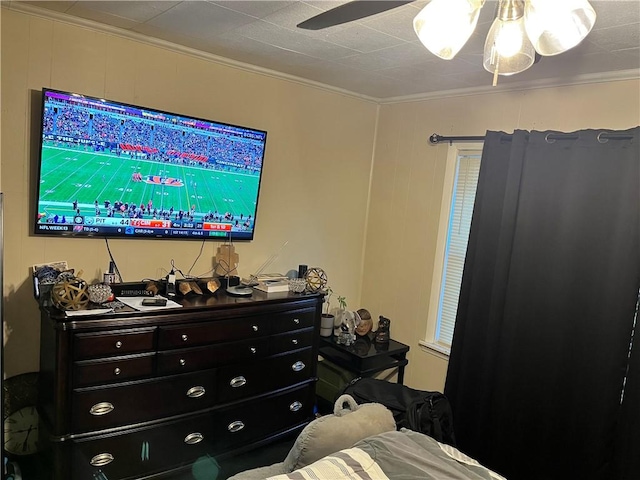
184,338
295,406
296,367
183,362
193,438
117,371
235,426
294,341
255,328
101,408
195,392
101,460
296,321
118,344
238,381
253,349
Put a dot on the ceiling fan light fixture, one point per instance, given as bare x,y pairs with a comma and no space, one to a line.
521,31
556,26
507,49
444,26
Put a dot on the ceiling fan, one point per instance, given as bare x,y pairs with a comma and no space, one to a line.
522,32
348,12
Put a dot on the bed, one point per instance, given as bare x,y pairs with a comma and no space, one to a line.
361,442
394,455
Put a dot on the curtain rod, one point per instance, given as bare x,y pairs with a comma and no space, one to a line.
435,139
551,137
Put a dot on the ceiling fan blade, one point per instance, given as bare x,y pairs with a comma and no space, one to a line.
349,12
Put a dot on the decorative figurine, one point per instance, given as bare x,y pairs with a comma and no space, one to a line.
383,333
366,323
349,320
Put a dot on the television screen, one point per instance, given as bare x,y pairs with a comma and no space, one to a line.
109,169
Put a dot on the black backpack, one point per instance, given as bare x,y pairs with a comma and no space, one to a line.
422,411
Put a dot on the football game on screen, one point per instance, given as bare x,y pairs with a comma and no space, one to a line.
110,168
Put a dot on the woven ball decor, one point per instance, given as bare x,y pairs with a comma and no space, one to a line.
70,294
316,279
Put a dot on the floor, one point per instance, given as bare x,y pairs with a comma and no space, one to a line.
207,470
32,467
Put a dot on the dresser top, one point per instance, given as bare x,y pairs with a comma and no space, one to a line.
219,304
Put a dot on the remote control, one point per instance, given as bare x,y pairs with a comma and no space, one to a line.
154,302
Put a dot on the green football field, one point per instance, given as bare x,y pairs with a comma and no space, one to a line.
74,175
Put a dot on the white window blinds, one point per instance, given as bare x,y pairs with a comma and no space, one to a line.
463,198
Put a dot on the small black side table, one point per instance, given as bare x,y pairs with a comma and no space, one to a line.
366,357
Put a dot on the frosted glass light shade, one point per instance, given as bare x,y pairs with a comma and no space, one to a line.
444,26
507,48
555,26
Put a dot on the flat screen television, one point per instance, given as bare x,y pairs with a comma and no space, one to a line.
109,169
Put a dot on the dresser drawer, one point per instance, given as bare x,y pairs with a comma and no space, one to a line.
117,342
292,320
212,332
243,380
197,358
247,422
143,452
113,369
149,450
97,408
291,341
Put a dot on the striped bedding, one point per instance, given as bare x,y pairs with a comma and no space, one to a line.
397,455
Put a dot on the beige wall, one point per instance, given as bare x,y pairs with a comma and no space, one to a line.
317,171
407,188
316,176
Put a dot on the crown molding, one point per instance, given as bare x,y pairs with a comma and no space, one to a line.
152,41
605,77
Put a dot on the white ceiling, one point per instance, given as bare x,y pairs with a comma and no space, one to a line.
378,57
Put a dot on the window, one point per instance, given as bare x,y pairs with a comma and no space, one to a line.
461,181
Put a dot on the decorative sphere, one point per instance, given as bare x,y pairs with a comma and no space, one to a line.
99,293
70,294
316,279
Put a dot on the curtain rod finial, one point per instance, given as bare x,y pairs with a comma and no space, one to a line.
434,139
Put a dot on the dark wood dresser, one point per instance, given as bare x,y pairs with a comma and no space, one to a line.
146,394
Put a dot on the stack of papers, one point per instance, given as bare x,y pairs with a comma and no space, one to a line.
254,280
133,302
136,302
271,286
92,311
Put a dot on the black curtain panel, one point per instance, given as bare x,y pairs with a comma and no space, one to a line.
627,448
547,303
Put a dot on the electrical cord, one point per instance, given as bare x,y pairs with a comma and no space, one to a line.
174,269
226,267
208,273
115,265
188,275
194,262
226,264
